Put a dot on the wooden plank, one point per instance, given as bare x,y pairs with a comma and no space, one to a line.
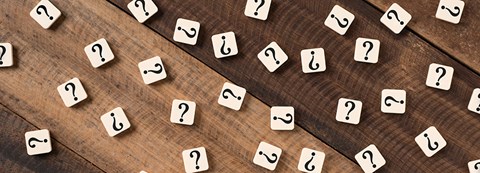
403,64
458,40
14,157
47,58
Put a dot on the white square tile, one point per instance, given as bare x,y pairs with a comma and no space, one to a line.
267,156
224,45
186,31
450,10
115,121
313,60
232,96
370,159
282,118
72,92
311,161
349,111
394,101
258,9
339,20
430,141
439,76
272,56
6,55
45,13
152,70
367,50
396,18
142,9
38,142
474,166
195,160
99,53
183,112
474,104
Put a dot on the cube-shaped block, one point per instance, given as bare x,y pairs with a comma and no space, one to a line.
152,70
313,60
258,9
186,31
339,20
474,166
439,76
267,156
142,9
394,101
224,45
99,53
115,121
38,142
282,118
474,104
311,161
232,96
367,50
450,10
349,111
72,92
195,160
45,13
183,112
6,55
430,141
396,18
370,159
272,56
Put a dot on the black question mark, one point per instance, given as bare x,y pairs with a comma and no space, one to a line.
429,144
143,6
339,23
368,152
73,90
231,93
441,75
273,54
45,10
394,14
197,158
310,65
261,4
114,124
99,50
392,99
35,140
4,50
285,120
155,71
275,157
351,109
308,162
476,166
185,111
451,12
188,34
478,108
370,47
223,47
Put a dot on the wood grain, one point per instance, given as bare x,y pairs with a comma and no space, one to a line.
403,64
47,58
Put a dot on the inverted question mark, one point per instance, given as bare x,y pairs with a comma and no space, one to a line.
262,2
45,10
310,65
273,54
155,71
231,93
370,154
275,157
197,158
285,120
143,6
433,148
115,125
188,34
476,166
99,50
73,90
185,111
351,109
4,50
222,50
394,14
370,47
35,140
478,108
441,75
340,23
308,162
392,99
454,14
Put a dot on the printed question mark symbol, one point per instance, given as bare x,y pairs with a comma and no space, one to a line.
155,71
351,109
99,50
429,144
185,111
394,14
73,90
261,4
188,34
478,108
114,124
370,47
143,6
285,120
231,93
392,99
454,14
441,75
4,50
275,157
197,158
35,140
308,162
476,166
370,154
222,50
310,65
45,10
273,54
338,21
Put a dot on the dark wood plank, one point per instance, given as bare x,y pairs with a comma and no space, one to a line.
403,64
13,153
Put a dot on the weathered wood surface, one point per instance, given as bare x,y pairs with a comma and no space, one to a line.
403,64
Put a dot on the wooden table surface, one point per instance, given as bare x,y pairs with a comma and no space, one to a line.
45,59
